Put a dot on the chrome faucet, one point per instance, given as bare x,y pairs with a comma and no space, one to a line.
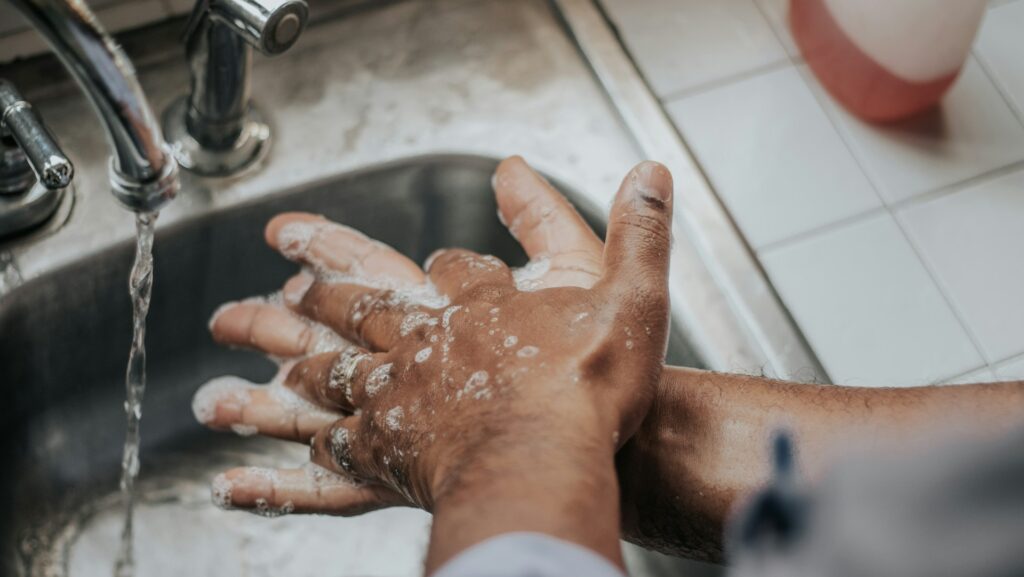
33,170
216,130
143,174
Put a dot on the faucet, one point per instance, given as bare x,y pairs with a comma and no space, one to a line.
34,172
143,174
215,130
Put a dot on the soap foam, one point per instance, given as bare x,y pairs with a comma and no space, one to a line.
530,277
226,388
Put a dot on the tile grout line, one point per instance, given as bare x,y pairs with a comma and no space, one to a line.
997,83
943,290
676,95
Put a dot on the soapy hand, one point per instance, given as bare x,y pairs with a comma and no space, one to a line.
444,380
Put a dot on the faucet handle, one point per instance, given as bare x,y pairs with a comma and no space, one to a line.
270,26
21,122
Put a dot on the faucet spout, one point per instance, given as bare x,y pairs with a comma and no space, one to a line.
143,173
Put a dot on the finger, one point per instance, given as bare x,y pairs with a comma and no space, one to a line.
639,230
547,225
457,271
232,403
315,241
341,448
311,489
371,316
331,380
271,329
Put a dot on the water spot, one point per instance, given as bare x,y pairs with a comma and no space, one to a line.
629,344
378,378
423,354
527,352
393,419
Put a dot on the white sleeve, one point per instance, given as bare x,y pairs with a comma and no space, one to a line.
527,555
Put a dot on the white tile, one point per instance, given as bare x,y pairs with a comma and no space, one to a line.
982,375
775,160
1000,46
777,12
682,44
1012,370
974,242
972,132
869,308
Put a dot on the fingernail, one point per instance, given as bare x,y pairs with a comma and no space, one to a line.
293,239
297,287
652,180
216,314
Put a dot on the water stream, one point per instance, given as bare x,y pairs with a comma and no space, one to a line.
140,285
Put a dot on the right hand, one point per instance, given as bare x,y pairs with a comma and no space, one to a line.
543,221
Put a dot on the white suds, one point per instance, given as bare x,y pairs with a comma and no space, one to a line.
527,352
528,278
393,419
245,430
414,320
263,509
580,317
510,341
423,354
294,238
476,386
220,491
221,390
378,379
446,318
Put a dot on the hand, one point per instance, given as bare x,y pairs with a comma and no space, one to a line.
547,226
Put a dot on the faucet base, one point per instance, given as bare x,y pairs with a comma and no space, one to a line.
22,212
248,150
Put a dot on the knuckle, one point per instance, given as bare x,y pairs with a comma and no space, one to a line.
656,227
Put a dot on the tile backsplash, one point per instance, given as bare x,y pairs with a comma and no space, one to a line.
18,40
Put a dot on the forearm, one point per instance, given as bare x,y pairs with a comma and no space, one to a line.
705,444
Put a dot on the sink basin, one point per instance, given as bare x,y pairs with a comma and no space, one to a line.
66,336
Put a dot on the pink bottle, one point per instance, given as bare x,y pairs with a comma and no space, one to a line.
885,59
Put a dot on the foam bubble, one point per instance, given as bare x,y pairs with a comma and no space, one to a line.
529,278
393,418
527,352
475,386
510,341
424,354
294,238
446,318
414,320
220,491
219,390
378,378
245,430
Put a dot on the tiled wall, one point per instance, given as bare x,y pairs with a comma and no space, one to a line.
898,250
17,40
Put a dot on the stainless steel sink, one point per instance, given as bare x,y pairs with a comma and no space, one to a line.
389,117
63,373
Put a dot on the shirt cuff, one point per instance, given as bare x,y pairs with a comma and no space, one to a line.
527,555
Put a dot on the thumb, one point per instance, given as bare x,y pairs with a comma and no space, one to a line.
639,236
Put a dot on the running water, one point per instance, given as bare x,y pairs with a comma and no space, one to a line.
140,285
